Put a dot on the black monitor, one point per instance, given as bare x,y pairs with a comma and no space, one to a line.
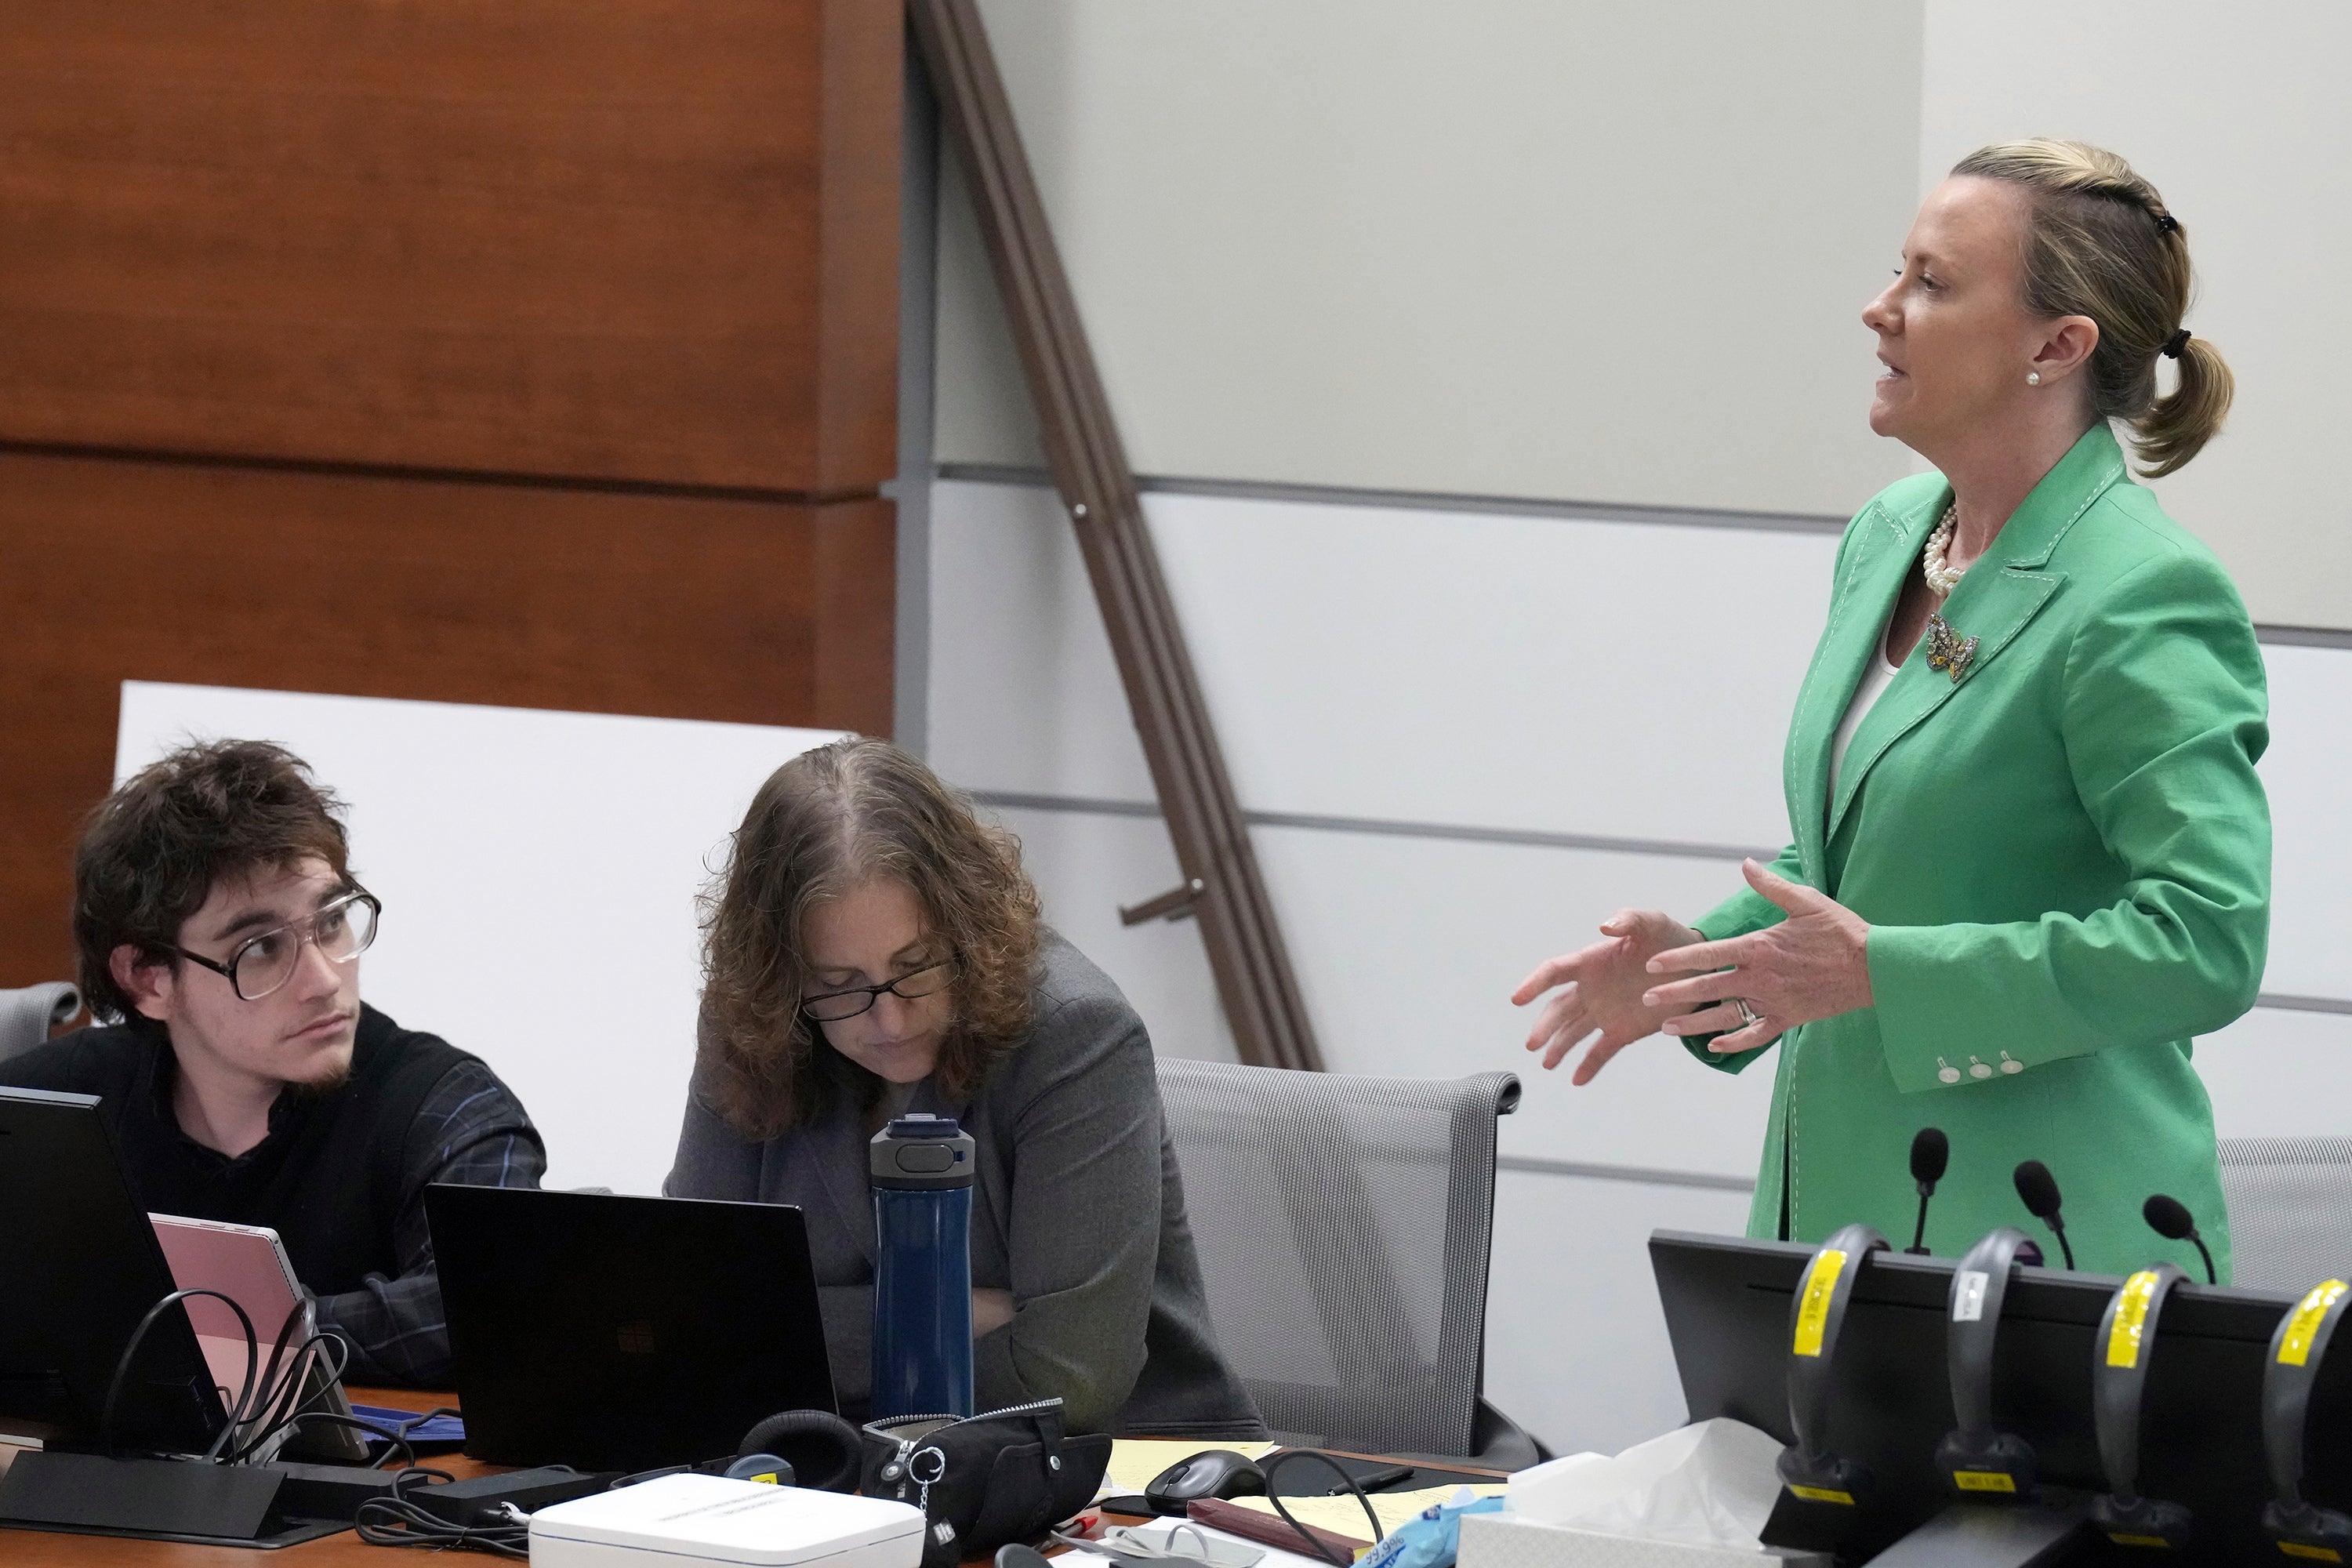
1727,1304
620,1333
79,1266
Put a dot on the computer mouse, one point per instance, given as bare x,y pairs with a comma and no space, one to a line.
1218,1472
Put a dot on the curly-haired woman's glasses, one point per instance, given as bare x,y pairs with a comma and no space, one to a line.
834,1006
341,930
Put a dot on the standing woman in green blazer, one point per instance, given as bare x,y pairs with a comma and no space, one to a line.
2031,857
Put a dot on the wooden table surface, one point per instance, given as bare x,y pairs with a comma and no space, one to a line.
42,1549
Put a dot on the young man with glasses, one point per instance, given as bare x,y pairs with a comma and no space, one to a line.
220,932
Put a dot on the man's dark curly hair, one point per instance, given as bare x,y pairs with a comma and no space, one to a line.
152,851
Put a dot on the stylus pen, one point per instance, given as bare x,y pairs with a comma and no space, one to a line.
1375,1480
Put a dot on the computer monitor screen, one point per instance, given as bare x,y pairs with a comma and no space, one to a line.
79,1266
1727,1304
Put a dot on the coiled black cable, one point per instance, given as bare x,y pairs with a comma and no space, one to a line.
1274,1462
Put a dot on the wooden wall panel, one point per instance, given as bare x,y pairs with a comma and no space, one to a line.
709,607
637,239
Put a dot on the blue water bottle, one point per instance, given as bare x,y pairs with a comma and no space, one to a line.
921,1167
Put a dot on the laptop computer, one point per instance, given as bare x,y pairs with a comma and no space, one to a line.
80,1268
623,1333
248,1263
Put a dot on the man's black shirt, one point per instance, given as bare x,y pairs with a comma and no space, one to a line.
341,1175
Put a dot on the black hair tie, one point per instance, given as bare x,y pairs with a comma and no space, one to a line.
2167,224
2174,344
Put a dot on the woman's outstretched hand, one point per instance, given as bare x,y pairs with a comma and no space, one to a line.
1814,964
1604,987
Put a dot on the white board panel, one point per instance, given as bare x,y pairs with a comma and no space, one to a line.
1613,678
2276,1073
2307,774
1576,1342
1596,252
538,872
2239,115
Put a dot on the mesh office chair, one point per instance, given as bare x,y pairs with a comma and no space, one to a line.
2289,1210
26,1016
1344,1227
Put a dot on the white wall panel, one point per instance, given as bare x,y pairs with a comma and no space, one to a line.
2308,775
1086,864
2280,1074
1615,678
2239,115
1576,1341
539,873
1600,252
1408,950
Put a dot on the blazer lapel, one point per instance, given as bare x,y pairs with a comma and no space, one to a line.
1994,602
1881,560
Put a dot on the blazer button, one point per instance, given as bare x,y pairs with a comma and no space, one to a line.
1947,1071
2011,1063
1978,1069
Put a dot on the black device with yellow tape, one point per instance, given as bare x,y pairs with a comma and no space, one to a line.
2120,1355
1823,1492
2301,1530
1727,1303
1979,1462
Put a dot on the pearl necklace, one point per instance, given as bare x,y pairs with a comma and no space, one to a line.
1941,579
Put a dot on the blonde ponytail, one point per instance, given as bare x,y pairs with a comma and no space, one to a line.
2100,243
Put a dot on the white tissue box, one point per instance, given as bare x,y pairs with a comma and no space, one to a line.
1502,1541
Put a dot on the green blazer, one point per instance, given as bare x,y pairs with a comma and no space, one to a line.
2064,858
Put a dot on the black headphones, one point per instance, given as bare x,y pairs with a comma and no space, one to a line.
2300,1529
2119,1360
1979,1463
816,1442
1811,1471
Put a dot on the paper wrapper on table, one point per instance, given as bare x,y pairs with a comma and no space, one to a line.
1710,1484
1503,1541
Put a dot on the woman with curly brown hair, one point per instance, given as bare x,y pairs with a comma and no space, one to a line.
873,949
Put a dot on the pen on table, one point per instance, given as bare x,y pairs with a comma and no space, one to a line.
1374,1480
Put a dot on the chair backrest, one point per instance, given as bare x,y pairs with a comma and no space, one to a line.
1344,1227
26,1016
2289,1210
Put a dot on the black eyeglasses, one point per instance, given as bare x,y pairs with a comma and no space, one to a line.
834,1006
341,930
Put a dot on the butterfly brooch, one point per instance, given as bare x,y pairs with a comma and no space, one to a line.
1946,650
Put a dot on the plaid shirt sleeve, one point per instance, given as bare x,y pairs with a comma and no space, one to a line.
471,1129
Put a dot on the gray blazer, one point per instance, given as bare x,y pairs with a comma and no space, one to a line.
1078,1210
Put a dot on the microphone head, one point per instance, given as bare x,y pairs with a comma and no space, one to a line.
2169,1218
1930,1153
2038,1188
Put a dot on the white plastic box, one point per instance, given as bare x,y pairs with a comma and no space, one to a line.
1501,1541
678,1521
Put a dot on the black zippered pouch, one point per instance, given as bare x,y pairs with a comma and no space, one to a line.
983,1481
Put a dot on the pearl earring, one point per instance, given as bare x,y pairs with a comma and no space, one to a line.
2033,378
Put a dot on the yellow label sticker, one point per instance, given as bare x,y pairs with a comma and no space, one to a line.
2294,1346
2316,1553
2139,1539
1822,1494
1984,1481
2131,1317
1813,1309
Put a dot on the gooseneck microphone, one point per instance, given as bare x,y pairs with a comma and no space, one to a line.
1930,1153
2170,1218
2039,1188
